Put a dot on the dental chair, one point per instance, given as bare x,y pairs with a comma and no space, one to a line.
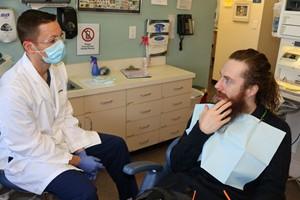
11,188
154,171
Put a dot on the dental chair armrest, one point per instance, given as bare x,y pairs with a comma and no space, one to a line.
141,166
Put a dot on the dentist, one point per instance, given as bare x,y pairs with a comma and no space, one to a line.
45,148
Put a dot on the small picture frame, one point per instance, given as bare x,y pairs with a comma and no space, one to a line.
241,11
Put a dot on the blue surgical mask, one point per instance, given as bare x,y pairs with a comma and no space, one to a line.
55,53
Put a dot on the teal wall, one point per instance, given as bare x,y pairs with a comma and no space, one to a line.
114,42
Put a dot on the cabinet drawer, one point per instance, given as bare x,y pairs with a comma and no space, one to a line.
109,121
176,88
143,126
143,94
104,101
143,110
143,140
172,131
175,117
77,104
177,102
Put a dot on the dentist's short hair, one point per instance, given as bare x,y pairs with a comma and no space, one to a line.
29,21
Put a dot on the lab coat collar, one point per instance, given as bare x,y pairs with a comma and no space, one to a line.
32,72
36,78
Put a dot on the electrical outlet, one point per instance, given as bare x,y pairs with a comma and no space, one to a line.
132,32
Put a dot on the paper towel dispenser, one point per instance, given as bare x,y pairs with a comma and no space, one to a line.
46,1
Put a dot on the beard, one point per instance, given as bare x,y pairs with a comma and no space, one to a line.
238,102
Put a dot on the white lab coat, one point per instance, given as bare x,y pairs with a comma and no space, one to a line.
37,127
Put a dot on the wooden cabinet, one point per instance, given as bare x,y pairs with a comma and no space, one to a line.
157,113
176,109
143,113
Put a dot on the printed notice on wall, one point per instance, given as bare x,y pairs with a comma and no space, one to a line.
88,39
184,4
159,2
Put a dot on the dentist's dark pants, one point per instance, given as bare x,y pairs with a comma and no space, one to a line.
75,185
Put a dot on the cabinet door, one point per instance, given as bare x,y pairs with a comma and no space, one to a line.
77,104
109,121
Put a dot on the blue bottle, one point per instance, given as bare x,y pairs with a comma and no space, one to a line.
95,69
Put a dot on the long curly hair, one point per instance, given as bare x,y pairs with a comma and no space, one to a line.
259,74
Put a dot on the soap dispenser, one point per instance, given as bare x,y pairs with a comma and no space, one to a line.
95,69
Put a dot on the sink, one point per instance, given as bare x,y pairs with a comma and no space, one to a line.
72,86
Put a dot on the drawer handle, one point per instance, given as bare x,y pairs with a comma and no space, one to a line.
144,142
146,111
177,104
144,127
175,132
145,95
178,88
176,118
106,102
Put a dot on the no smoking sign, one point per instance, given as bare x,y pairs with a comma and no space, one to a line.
88,40
87,34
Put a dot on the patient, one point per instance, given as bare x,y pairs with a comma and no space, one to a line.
237,148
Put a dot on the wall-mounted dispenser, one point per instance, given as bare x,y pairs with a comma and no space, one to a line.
8,31
67,18
158,36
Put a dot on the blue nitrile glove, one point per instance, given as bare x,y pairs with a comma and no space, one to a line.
92,176
89,164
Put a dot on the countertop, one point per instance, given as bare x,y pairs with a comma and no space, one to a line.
117,81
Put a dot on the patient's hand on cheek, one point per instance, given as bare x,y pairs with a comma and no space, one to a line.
211,119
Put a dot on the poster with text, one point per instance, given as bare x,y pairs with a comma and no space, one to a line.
88,39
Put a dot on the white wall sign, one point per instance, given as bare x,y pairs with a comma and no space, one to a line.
159,2
88,39
184,4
